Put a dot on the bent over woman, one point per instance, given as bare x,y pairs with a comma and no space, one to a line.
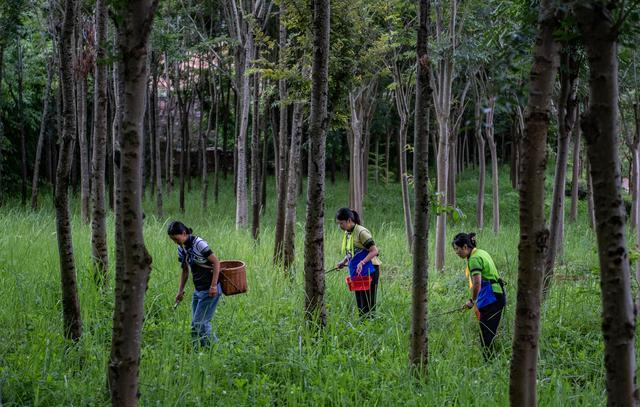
194,253
487,289
361,254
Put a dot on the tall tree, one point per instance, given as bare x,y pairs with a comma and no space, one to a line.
567,113
599,30
482,166
84,64
21,121
41,137
533,232
318,121
134,21
98,218
292,187
419,349
442,75
156,146
255,157
575,173
72,320
280,141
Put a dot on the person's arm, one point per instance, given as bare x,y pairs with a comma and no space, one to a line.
213,290
184,277
476,284
373,252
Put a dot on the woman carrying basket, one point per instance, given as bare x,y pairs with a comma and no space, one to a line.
487,289
194,253
361,254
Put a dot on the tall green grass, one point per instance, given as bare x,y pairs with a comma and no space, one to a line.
266,355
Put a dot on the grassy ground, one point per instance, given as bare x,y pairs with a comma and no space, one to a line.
265,355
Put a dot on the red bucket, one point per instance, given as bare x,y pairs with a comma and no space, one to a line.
359,283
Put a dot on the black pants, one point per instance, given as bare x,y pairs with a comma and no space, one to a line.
489,322
366,300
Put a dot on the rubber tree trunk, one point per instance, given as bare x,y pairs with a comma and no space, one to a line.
482,166
575,173
72,321
98,219
495,175
404,181
1,122
21,125
534,235
281,145
419,339
599,30
636,115
156,151
567,110
318,121
134,25
292,188
591,213
255,158
41,137
84,148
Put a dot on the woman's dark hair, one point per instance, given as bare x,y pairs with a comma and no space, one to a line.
465,239
177,228
346,214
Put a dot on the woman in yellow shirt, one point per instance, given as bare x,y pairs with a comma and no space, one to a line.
361,254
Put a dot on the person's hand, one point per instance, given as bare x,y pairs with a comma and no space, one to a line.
213,291
179,297
468,305
340,265
359,268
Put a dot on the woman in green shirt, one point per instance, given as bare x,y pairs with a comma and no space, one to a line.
487,290
361,254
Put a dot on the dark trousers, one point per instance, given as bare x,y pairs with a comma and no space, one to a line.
489,322
366,300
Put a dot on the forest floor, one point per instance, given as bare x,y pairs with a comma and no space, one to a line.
266,355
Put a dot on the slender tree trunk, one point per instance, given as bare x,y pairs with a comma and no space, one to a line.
204,137
575,175
41,137
495,181
292,187
482,166
134,25
1,119
216,154
281,147
156,152
242,201
567,110
533,232
255,158
265,156
636,115
318,121
406,203
443,172
599,125
387,155
84,148
98,218
21,125
591,213
418,347
72,321
451,178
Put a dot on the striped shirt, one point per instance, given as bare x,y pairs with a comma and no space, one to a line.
194,253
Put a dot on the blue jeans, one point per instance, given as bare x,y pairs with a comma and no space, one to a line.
203,307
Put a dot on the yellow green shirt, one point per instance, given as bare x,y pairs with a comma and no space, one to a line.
356,240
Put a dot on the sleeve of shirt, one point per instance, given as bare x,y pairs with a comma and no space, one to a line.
475,265
180,255
365,239
203,248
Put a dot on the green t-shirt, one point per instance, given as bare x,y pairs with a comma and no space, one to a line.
480,262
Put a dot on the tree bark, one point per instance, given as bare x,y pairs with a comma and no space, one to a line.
591,213
21,126
282,144
156,151
1,119
81,83
419,345
134,25
567,109
41,137
255,158
575,175
482,166
98,219
533,232
318,121
495,181
599,33
72,321
292,188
